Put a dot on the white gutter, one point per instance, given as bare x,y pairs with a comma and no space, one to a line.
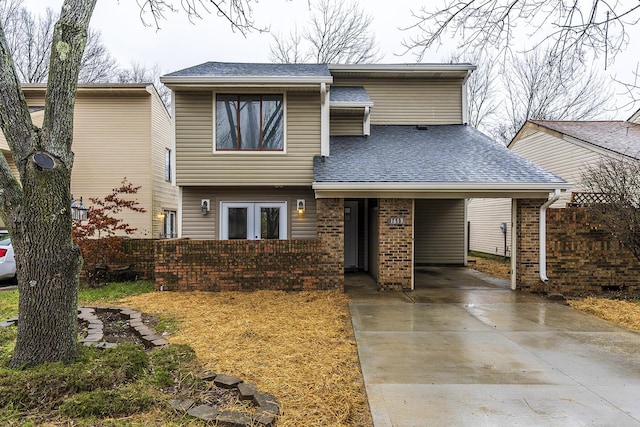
543,234
324,119
465,101
366,122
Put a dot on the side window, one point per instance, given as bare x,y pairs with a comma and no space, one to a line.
253,220
168,172
170,224
249,123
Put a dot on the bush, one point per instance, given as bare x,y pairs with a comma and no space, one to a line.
123,401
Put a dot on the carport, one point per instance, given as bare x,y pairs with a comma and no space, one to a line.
403,192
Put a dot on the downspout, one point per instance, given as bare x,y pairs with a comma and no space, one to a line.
543,234
324,119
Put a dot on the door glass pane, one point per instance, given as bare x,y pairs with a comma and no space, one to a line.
237,223
250,122
269,223
226,122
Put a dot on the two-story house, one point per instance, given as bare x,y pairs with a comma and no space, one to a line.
119,130
373,161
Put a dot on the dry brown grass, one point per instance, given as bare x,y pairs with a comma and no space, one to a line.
492,267
298,346
624,313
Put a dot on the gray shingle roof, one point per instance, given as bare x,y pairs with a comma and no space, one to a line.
349,95
446,153
238,69
617,136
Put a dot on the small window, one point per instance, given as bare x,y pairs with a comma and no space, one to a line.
250,122
167,165
253,221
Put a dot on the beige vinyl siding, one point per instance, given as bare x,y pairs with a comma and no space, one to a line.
111,141
197,164
412,101
439,231
165,194
564,158
198,226
346,125
485,217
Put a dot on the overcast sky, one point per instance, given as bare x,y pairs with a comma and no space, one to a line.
180,43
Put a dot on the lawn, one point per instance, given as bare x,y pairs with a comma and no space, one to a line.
298,346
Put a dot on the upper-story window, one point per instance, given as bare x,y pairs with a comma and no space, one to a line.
250,122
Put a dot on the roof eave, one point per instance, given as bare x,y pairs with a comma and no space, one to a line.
260,80
349,104
409,68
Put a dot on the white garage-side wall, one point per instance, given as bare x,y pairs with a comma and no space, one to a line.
439,231
485,217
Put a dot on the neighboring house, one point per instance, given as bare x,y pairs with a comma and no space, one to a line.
562,147
119,130
374,161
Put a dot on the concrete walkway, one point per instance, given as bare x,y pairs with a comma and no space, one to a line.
462,350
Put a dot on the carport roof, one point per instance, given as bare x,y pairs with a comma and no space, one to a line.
454,158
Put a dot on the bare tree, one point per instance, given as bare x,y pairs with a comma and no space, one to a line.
481,88
569,28
29,40
36,206
617,181
338,33
139,73
539,86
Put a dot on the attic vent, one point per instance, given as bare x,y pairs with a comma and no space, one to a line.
422,127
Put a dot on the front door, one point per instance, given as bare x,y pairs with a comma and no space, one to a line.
350,234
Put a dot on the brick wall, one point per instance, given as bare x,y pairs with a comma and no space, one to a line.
136,253
527,255
330,232
395,249
238,265
582,258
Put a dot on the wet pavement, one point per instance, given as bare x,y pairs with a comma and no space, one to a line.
465,350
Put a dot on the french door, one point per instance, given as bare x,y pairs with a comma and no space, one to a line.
253,220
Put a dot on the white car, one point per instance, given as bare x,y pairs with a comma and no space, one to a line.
7,261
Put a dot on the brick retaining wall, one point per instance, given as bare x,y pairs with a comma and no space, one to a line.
137,253
239,265
582,258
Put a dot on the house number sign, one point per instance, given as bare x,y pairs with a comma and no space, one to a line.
396,220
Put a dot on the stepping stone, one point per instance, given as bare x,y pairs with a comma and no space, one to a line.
264,418
8,322
233,419
267,403
93,338
204,412
247,390
181,404
160,342
208,376
227,381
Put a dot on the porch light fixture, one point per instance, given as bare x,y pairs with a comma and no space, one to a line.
205,205
301,206
78,212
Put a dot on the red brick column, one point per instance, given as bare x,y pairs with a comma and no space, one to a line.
330,231
395,247
528,249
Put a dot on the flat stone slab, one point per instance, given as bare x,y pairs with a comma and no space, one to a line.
181,404
204,412
8,322
247,390
208,376
233,419
227,381
264,418
267,403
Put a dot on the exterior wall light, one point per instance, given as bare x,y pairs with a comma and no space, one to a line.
301,206
78,212
205,206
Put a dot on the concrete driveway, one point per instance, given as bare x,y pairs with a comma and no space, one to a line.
465,350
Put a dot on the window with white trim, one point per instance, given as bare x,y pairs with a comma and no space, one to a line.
253,220
167,165
249,122
170,224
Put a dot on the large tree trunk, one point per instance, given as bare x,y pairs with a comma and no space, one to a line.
38,212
